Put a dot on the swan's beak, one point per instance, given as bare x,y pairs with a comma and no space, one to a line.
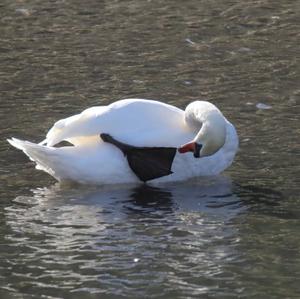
193,147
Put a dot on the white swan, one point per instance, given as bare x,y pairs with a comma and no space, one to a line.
202,129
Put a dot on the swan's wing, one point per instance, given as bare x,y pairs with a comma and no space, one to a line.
137,122
76,127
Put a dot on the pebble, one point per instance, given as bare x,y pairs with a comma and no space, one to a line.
263,106
23,11
189,41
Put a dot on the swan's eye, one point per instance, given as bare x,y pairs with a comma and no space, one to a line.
197,150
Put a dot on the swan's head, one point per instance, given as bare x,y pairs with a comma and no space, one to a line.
211,137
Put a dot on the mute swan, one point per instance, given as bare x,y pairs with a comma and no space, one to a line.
98,134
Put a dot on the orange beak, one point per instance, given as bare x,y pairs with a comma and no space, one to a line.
188,147
191,147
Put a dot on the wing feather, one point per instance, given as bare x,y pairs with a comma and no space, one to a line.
137,122
76,127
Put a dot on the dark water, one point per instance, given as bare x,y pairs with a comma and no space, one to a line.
233,236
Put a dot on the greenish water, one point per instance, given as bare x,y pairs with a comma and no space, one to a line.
233,236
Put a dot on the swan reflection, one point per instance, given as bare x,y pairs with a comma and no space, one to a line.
67,213
129,234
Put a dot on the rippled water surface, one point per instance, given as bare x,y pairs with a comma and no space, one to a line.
231,236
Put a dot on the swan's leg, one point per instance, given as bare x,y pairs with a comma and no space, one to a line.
121,146
147,163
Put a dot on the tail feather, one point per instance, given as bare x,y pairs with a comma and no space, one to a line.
46,158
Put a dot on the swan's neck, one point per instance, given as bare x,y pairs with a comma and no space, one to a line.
210,124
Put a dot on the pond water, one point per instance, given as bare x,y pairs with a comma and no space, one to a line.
232,236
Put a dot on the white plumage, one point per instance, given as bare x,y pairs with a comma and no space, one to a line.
140,123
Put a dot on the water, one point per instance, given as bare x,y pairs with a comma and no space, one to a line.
232,236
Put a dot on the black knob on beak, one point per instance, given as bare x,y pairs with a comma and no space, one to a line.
197,150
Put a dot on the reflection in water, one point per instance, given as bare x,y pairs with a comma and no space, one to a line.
151,197
190,237
87,240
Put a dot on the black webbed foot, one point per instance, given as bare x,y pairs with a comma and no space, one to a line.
147,163
105,137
